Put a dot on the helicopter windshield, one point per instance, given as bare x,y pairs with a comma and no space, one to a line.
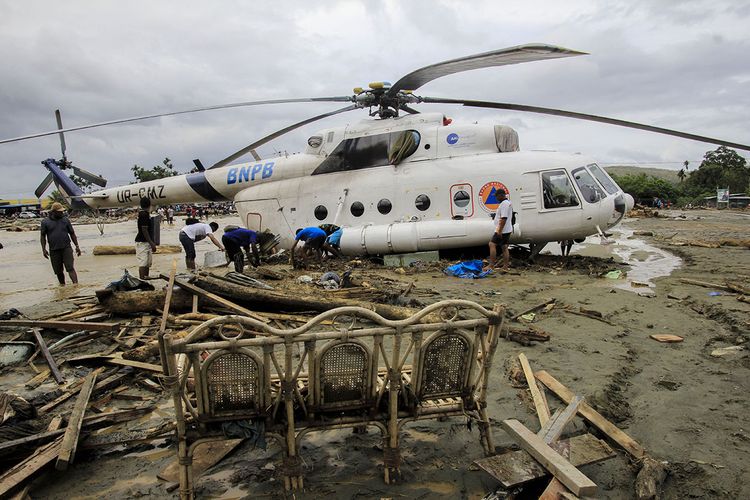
370,151
590,190
607,183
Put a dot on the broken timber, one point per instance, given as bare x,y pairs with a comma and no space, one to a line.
48,357
218,300
62,325
540,403
517,467
563,470
593,416
70,440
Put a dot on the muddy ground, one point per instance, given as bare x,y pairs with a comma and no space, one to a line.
683,405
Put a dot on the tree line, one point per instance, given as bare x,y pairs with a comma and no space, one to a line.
720,168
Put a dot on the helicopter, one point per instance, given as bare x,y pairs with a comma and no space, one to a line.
399,181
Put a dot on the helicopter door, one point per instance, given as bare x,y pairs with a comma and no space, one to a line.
254,221
462,201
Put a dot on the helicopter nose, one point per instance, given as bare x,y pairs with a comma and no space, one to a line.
618,210
629,202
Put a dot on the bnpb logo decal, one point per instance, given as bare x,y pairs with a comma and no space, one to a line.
487,195
452,138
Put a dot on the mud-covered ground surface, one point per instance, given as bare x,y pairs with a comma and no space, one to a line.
682,404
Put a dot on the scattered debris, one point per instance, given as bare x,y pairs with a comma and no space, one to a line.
727,351
666,337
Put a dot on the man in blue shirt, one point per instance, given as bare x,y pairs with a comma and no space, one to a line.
236,239
315,240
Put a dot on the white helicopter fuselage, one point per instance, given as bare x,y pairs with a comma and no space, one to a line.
439,196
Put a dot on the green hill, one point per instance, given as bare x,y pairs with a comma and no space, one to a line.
661,173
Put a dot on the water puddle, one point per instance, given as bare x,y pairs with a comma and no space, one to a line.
646,261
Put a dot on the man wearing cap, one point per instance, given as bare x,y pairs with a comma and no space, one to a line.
58,231
503,230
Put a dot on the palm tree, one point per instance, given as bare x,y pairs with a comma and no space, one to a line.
681,174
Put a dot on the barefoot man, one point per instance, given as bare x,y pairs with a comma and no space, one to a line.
503,230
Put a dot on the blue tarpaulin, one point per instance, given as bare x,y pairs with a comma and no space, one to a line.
468,269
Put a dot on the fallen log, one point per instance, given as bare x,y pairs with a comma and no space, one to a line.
299,301
526,334
130,249
150,349
139,302
649,479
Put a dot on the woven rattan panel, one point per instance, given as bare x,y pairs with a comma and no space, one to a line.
444,366
233,384
343,374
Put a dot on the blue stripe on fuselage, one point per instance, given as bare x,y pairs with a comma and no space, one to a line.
200,185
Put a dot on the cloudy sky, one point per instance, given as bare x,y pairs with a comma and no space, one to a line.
675,64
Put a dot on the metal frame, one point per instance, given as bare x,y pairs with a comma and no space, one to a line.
386,378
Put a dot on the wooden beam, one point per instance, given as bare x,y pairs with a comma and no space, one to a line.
62,325
149,367
48,357
540,402
706,284
218,300
24,470
563,470
593,416
515,468
554,428
70,440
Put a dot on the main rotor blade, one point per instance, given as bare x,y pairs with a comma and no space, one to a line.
194,110
501,57
585,116
39,191
58,117
260,142
91,177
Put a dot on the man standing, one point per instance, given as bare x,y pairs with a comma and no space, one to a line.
236,239
503,230
58,231
144,243
196,232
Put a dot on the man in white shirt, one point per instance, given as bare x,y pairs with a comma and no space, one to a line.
196,232
503,230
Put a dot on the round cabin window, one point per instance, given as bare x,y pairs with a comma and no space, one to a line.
461,198
321,212
422,202
384,206
357,209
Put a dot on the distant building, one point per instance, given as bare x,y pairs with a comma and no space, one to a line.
10,207
739,200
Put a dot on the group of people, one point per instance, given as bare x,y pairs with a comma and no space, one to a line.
238,243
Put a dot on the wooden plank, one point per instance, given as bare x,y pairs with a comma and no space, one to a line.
206,456
666,338
26,469
37,380
705,284
554,428
515,468
532,309
567,473
70,439
72,389
593,416
218,300
140,332
540,402
149,367
62,325
48,357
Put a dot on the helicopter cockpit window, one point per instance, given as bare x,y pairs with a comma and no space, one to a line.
370,151
589,188
607,183
557,190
